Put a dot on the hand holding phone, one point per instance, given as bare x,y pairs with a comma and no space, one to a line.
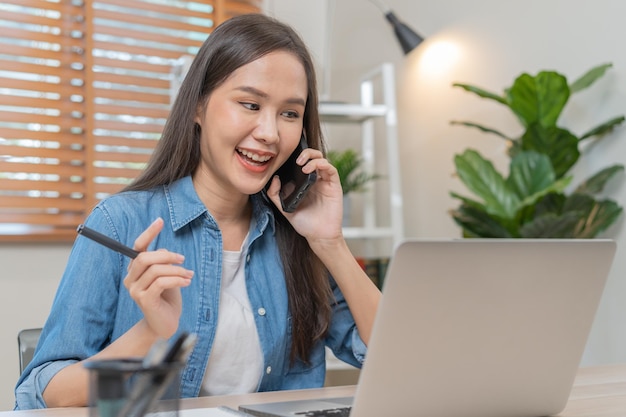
294,184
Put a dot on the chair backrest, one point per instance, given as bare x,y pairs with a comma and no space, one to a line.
27,342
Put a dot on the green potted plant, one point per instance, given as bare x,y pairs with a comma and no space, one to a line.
534,199
349,166
353,179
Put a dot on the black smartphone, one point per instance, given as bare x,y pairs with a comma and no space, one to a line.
294,183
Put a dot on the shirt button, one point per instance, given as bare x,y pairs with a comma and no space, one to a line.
261,311
268,370
247,258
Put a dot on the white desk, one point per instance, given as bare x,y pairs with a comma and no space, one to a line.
598,392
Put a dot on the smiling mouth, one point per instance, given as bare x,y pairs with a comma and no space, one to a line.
254,158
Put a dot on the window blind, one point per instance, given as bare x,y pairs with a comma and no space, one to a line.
86,89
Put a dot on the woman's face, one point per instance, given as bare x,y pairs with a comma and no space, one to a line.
252,123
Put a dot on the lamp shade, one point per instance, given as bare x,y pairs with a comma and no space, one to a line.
406,36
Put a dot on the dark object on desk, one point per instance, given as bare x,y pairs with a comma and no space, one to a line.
112,382
135,387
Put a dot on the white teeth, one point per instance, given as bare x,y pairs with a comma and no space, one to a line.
255,157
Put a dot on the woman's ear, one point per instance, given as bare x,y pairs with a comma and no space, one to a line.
199,117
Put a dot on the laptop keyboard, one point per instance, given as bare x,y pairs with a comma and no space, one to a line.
330,412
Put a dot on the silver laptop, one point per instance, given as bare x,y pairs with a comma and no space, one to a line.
476,328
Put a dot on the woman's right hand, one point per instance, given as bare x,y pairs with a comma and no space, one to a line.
154,281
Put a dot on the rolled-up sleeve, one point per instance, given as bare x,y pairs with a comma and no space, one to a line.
29,393
343,337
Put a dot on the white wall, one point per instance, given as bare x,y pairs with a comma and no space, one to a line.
29,276
497,40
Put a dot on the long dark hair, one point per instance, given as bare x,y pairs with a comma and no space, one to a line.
235,43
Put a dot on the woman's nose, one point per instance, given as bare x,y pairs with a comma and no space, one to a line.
267,129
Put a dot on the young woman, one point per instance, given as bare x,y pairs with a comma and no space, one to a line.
263,290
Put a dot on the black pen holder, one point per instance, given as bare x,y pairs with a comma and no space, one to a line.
127,388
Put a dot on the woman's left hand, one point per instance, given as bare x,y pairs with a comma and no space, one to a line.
319,215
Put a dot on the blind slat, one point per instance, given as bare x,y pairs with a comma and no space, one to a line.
41,70
151,21
130,127
125,142
139,50
123,157
67,220
161,8
42,87
32,203
125,95
135,111
131,65
62,105
65,122
148,36
36,4
63,55
29,18
63,139
63,155
65,170
64,187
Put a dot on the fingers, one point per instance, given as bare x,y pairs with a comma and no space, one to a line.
157,271
313,160
148,235
151,273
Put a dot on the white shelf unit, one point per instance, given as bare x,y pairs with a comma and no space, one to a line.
366,113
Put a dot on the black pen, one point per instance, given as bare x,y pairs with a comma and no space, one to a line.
106,241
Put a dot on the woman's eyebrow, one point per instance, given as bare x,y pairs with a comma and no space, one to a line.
259,93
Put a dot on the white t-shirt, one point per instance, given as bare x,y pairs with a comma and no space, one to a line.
236,362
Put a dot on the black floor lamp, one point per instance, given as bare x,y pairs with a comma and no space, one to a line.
407,37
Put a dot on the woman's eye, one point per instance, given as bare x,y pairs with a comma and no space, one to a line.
291,114
250,106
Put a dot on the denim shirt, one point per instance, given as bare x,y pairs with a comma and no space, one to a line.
92,308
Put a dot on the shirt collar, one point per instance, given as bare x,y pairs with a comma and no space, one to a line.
185,206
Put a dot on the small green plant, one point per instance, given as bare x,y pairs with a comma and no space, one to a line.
348,164
532,201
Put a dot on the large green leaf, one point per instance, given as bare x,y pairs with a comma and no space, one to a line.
604,127
539,99
589,78
481,127
550,203
596,216
551,226
560,145
478,223
556,187
595,184
481,178
529,173
482,93
531,176
469,202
